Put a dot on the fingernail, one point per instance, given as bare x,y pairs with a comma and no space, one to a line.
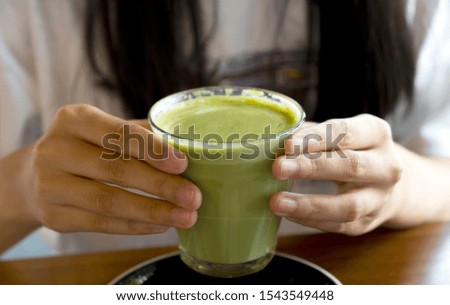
186,196
286,206
289,167
182,218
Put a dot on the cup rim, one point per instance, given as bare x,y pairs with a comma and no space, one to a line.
289,100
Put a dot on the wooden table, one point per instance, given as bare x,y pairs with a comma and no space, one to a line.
415,256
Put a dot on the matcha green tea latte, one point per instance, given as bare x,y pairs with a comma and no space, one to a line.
231,136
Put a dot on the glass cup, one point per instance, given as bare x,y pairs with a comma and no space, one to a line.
236,232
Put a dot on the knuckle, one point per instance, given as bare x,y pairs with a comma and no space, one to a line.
64,114
341,228
119,129
396,169
50,219
115,170
315,209
133,226
313,167
357,166
349,229
291,147
396,173
354,210
162,187
341,127
69,114
50,153
385,128
309,144
153,215
41,153
125,129
382,126
104,202
77,110
100,224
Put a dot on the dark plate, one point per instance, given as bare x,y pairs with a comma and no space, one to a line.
282,270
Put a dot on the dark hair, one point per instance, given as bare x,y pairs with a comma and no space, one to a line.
366,58
141,42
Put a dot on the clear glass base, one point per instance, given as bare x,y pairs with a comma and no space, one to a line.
226,270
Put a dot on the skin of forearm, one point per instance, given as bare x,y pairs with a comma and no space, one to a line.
423,193
16,220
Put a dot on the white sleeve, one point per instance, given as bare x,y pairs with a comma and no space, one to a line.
16,74
425,129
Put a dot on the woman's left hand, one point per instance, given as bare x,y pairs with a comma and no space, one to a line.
360,155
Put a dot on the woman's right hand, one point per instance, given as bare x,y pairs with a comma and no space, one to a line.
70,187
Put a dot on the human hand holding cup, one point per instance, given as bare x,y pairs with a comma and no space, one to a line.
231,136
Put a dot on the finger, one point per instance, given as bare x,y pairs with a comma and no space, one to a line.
342,208
308,124
87,221
132,173
347,228
117,135
115,202
359,132
143,122
346,166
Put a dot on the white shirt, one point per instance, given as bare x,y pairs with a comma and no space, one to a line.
43,66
